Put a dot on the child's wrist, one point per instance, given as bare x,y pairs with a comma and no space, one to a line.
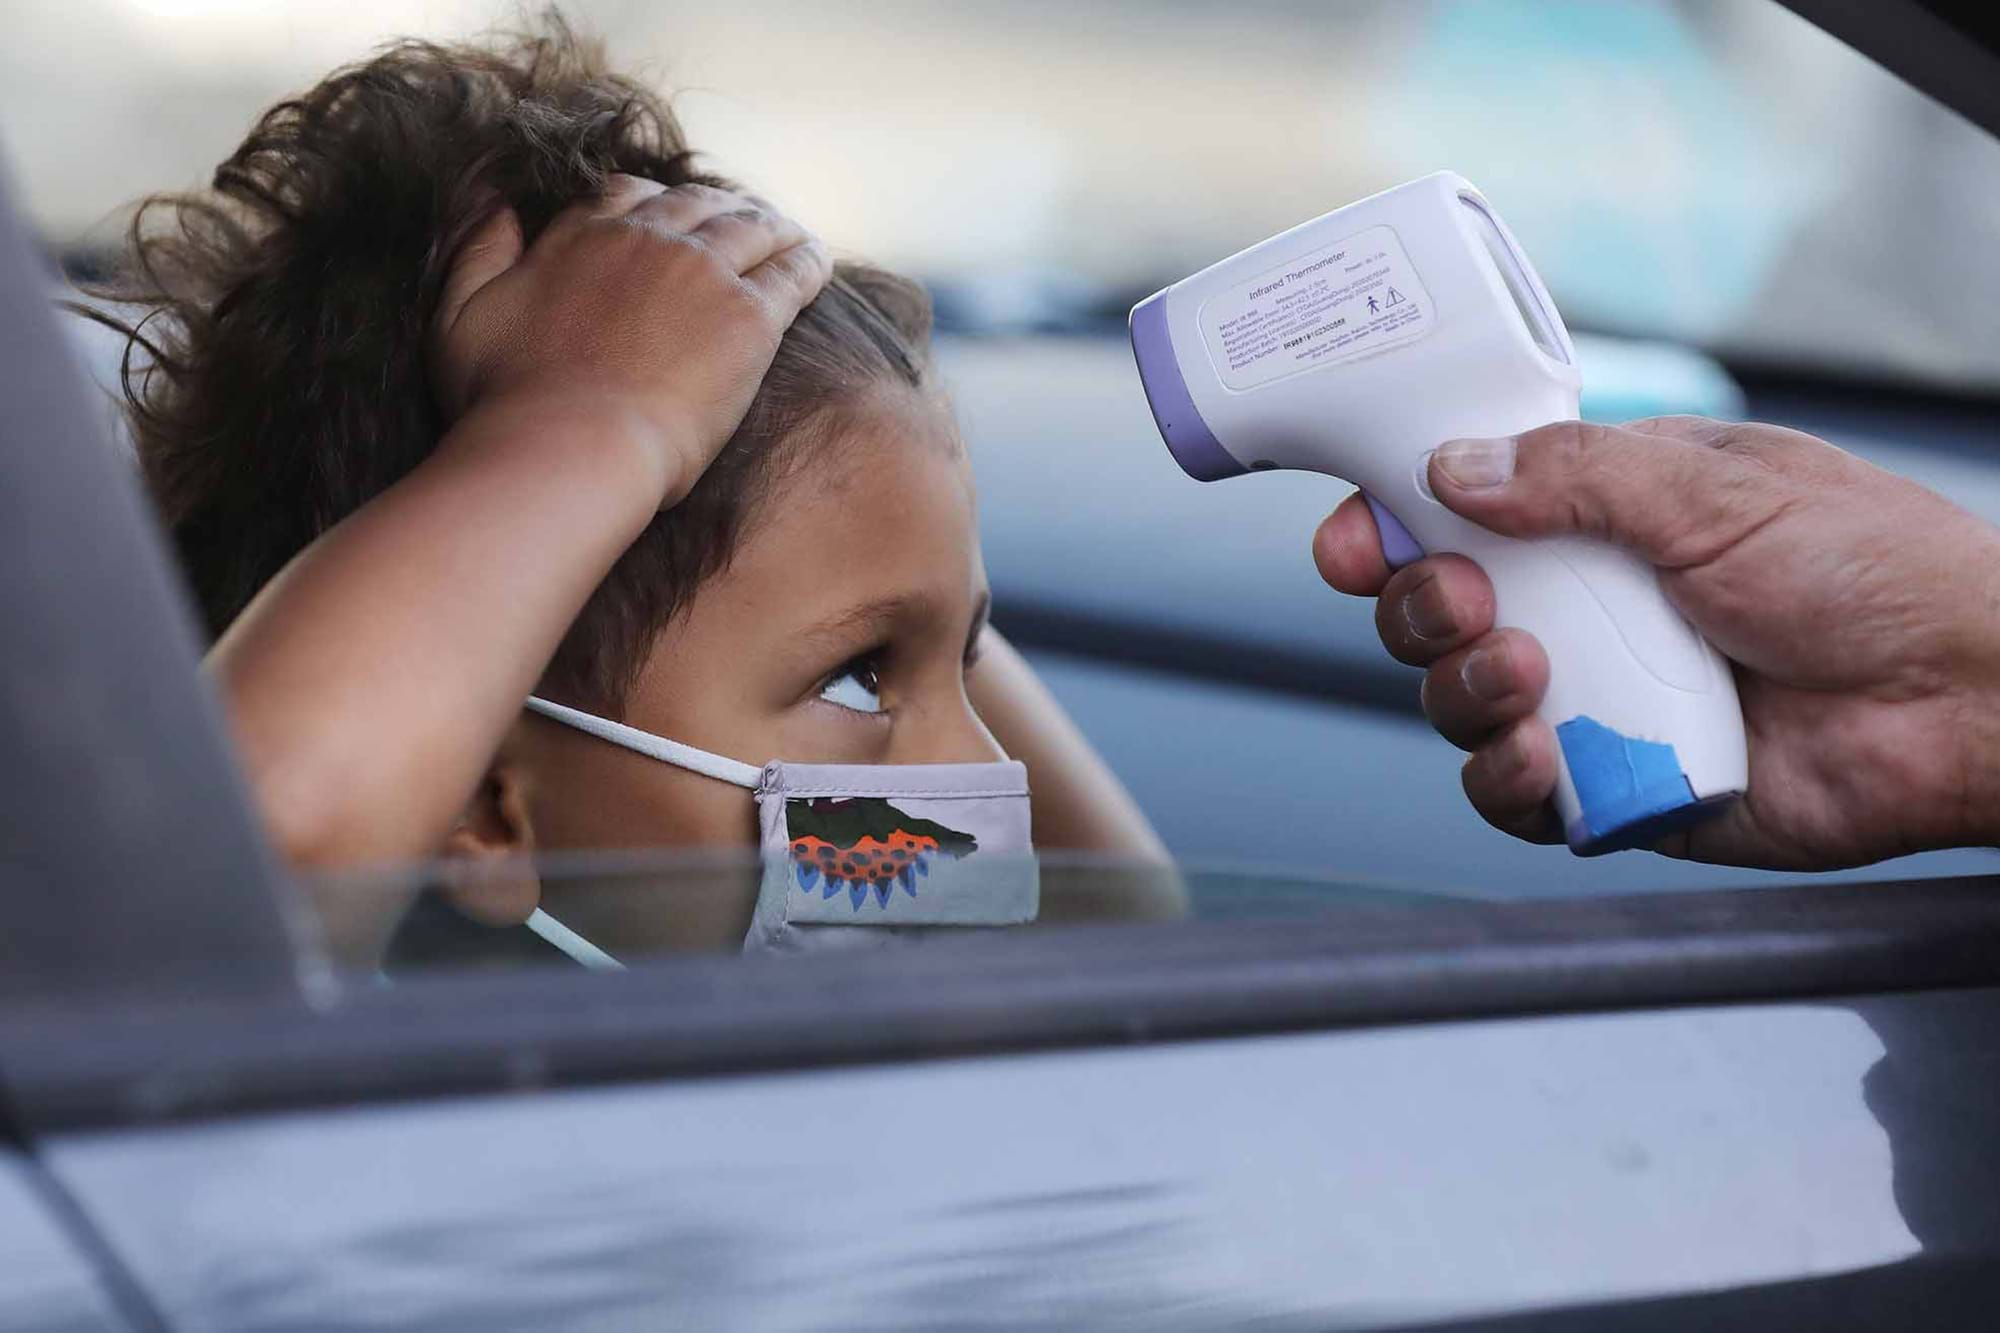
582,429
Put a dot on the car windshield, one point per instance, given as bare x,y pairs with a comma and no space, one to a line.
1721,174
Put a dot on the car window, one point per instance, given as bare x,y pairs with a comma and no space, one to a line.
607,911
1683,205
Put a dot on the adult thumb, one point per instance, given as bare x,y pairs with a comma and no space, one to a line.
1658,487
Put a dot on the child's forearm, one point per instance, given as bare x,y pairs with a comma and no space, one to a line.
593,376
370,682
1079,803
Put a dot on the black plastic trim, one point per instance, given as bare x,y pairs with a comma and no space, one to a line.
1950,52
130,861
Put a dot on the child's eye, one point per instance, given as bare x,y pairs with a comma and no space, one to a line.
856,687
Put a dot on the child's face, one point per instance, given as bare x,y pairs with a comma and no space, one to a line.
839,633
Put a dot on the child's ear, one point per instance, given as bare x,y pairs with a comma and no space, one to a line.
489,870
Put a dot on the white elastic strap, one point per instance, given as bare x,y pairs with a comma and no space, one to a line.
653,747
571,943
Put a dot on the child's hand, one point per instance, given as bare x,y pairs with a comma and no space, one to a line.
653,308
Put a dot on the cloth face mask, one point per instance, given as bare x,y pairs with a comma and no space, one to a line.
856,855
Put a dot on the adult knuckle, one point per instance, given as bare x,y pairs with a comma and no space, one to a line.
1717,503
1676,423
1746,441
1565,444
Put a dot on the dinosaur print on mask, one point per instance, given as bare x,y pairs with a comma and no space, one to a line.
863,842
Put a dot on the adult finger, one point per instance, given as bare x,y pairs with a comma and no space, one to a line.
1675,501
791,278
492,248
1347,548
1496,680
1510,780
1433,607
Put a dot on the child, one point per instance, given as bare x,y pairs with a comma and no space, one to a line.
462,384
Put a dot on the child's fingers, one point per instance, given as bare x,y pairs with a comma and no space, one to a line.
683,208
493,248
791,278
738,231
742,229
620,195
746,237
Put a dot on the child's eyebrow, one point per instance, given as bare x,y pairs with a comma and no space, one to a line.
872,617
866,618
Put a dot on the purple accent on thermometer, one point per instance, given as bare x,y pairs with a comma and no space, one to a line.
1399,548
1188,437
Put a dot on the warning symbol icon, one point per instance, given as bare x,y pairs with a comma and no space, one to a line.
1396,297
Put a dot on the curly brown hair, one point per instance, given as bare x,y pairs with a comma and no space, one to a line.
275,366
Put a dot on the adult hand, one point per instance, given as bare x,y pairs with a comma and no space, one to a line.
657,307
1862,612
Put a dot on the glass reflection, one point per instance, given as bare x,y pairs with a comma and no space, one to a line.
639,907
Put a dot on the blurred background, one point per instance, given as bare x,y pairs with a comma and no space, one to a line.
1714,171
1739,214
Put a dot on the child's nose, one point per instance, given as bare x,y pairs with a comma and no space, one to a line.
952,736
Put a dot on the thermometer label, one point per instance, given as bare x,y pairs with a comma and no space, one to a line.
1336,303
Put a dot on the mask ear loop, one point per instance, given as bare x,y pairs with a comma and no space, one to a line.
653,747
571,943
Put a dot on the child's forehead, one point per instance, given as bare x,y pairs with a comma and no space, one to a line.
876,537
891,443
884,480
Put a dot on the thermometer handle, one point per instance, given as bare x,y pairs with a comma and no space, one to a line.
1648,728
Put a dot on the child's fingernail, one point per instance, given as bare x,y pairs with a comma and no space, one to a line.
1477,464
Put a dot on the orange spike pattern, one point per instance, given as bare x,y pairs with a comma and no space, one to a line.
871,863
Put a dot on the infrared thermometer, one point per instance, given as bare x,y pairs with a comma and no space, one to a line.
1354,345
